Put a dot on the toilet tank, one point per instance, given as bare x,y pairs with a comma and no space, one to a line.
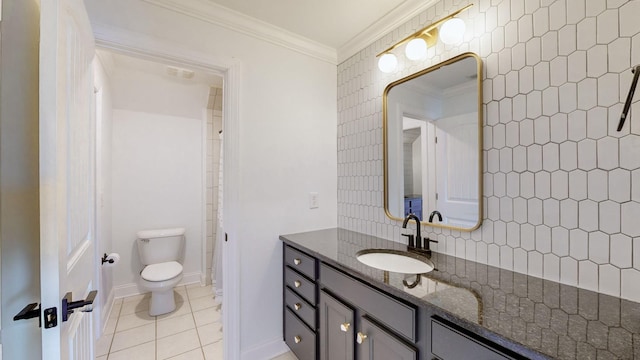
161,245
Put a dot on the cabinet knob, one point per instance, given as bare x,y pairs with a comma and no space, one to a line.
345,326
297,339
361,337
297,283
297,306
297,261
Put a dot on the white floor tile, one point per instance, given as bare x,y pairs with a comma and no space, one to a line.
132,334
103,344
133,337
206,316
182,308
201,303
213,351
175,325
197,291
127,322
145,351
132,307
210,333
177,344
191,355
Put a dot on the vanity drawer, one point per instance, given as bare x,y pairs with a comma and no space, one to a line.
300,284
393,313
300,307
300,261
450,344
298,337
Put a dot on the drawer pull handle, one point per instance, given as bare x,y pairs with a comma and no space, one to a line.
297,283
361,337
345,327
297,261
297,339
297,306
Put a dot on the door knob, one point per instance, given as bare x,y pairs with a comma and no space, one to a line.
361,337
297,306
345,326
68,305
297,261
297,283
297,339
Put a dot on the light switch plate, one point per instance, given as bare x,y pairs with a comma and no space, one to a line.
313,200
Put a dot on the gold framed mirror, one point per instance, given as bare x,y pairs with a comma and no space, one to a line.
432,129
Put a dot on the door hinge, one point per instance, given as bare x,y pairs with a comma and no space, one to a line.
436,139
436,196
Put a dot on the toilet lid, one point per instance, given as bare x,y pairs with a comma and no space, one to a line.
162,271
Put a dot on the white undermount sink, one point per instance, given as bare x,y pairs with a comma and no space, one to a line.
395,261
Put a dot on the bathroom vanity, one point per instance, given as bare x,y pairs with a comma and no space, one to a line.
335,307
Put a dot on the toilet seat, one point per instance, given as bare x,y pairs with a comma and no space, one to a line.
162,271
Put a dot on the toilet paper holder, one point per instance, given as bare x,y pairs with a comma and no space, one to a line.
105,260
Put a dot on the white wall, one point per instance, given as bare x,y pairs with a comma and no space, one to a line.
104,240
287,148
157,183
157,174
19,181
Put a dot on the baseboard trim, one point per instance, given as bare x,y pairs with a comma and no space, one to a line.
267,350
109,308
133,288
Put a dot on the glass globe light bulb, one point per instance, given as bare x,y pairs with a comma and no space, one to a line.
387,63
416,49
452,31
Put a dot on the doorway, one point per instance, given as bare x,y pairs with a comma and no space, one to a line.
160,157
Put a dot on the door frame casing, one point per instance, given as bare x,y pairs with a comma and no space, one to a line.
149,48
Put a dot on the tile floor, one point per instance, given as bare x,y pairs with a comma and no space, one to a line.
192,332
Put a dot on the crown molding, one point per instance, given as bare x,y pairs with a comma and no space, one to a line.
213,13
396,17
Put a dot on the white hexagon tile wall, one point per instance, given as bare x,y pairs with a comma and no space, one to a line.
561,186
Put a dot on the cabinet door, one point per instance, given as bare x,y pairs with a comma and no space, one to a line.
336,329
375,343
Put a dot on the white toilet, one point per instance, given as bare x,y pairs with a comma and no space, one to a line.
160,251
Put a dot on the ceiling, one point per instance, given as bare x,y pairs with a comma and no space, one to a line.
329,22
330,30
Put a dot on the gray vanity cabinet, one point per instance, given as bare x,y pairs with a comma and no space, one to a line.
376,343
336,329
361,322
300,299
448,343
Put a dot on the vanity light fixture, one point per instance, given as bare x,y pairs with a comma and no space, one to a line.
451,32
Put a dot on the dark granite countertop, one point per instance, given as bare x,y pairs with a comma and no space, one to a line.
534,317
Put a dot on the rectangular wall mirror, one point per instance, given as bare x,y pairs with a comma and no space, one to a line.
432,122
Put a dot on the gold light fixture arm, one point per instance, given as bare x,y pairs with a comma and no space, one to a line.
429,31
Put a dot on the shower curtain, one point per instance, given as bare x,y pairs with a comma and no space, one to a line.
217,249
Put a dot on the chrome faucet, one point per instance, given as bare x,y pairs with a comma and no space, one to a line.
411,244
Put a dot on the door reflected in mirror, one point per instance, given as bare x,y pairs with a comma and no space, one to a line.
432,144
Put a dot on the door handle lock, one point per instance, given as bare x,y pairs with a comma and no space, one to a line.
68,305
33,310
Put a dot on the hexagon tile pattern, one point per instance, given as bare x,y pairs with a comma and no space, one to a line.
561,186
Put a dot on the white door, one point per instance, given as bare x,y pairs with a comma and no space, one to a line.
67,170
456,163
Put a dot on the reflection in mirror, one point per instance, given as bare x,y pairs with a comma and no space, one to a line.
433,131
